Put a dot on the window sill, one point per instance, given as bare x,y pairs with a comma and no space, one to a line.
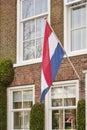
76,53
30,62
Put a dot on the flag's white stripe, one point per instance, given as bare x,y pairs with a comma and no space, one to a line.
53,42
43,82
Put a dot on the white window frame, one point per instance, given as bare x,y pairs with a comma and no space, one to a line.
48,109
19,55
10,90
72,2
67,39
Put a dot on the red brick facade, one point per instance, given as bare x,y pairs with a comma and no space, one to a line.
8,29
30,74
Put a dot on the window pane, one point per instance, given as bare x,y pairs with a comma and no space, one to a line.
63,119
27,8
29,50
17,99
29,30
57,119
27,99
75,40
17,96
57,93
40,6
57,96
78,28
26,120
78,39
39,47
69,92
18,120
21,120
70,119
78,17
27,95
56,102
40,26
69,102
83,38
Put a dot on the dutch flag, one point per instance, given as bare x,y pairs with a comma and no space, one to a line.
51,59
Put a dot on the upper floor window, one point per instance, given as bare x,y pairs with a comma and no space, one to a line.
78,28
75,28
31,25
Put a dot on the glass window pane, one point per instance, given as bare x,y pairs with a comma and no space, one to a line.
78,28
40,6
78,39
56,102
17,96
27,99
27,8
69,102
78,17
27,95
74,19
17,105
29,50
17,100
57,93
57,119
83,38
18,120
83,15
26,120
29,30
70,119
40,27
27,104
57,96
69,92
39,47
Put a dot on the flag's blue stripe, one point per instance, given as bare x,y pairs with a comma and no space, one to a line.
56,60
44,93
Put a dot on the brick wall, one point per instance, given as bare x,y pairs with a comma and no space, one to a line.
57,18
31,74
8,29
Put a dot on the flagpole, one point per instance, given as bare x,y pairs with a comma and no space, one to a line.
65,53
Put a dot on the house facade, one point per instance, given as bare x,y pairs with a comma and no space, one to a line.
21,40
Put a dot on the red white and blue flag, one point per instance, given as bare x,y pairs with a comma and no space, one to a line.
51,59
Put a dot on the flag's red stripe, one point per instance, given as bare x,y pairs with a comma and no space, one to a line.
46,67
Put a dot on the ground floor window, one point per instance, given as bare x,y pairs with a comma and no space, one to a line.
63,98
20,100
